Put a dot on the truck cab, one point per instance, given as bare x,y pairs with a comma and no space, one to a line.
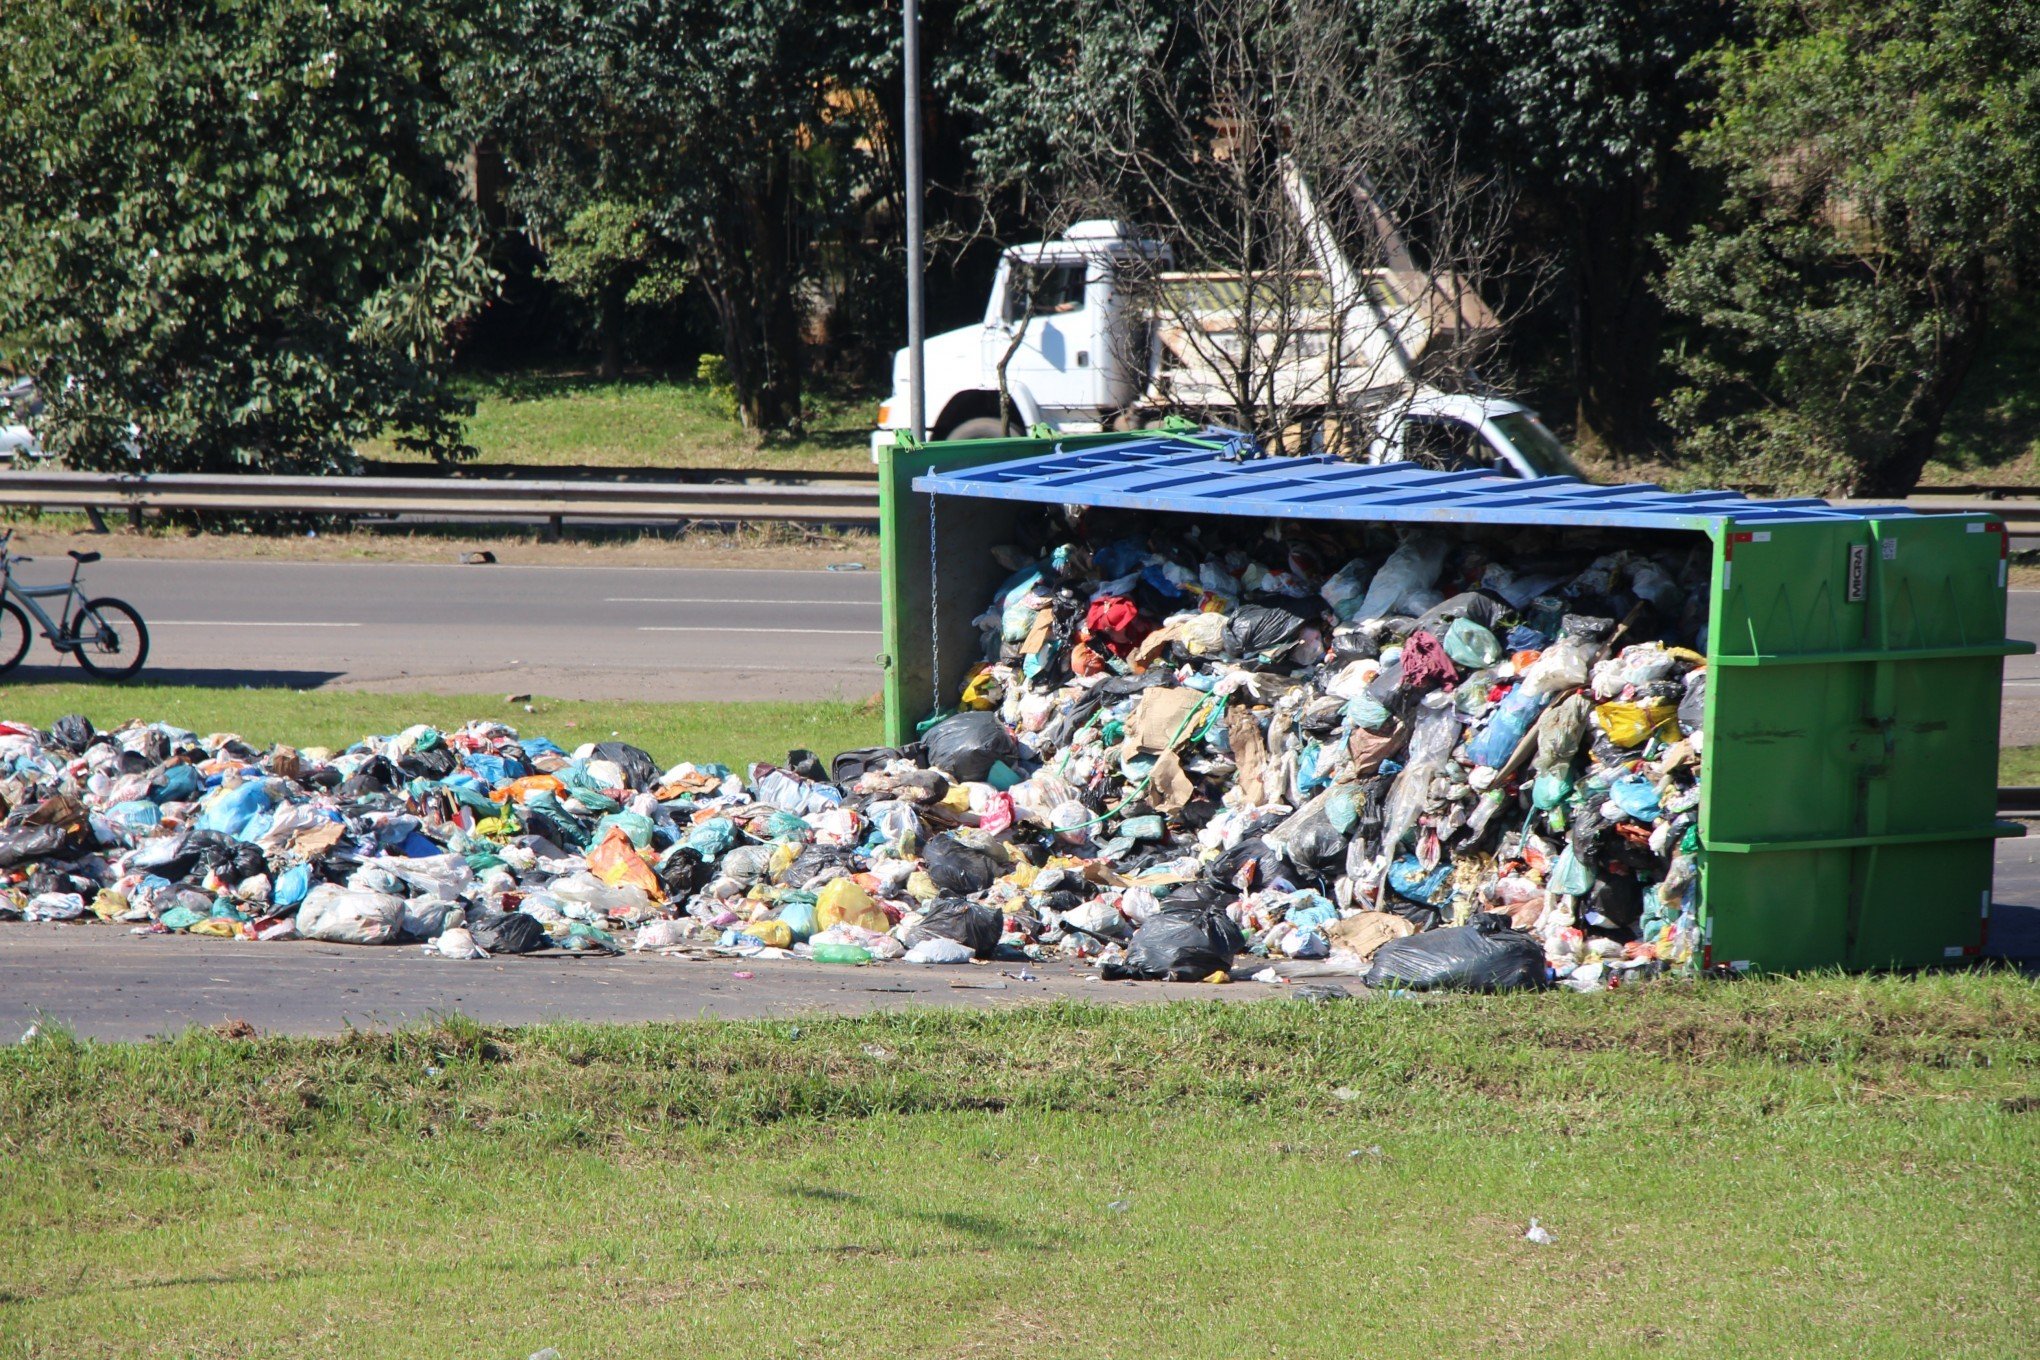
1075,349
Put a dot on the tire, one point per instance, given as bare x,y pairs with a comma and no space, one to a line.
984,427
14,636
118,640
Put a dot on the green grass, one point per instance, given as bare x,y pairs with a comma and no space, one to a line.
733,733
2019,765
569,419
1810,1167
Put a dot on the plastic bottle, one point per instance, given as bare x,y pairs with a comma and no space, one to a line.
841,953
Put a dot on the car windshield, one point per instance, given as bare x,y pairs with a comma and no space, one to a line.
1540,447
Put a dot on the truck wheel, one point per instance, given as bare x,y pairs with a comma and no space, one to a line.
984,427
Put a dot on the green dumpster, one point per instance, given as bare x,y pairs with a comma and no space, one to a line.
1856,656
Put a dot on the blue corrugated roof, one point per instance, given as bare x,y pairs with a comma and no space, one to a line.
1192,476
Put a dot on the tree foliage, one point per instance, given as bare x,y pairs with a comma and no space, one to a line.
1880,164
730,129
235,226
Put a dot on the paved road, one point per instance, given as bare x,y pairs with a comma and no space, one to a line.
2021,723
572,632
107,984
575,632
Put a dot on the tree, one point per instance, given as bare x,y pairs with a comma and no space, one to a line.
610,256
233,235
1575,108
721,123
1257,142
1880,163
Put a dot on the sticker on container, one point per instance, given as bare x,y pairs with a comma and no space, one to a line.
1890,550
1859,571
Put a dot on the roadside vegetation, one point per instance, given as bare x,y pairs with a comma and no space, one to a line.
559,419
1809,1167
731,733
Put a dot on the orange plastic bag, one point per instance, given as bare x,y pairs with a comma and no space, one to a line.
521,789
616,861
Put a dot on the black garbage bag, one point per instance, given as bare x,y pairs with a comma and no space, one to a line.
640,771
815,861
967,745
1259,629
959,870
1251,865
432,762
682,874
508,932
27,844
967,923
1614,905
1316,849
850,766
1485,955
73,732
1180,943
806,764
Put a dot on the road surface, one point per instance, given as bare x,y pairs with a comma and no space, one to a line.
105,983
659,633
571,632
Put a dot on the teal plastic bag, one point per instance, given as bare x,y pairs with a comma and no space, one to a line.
1569,877
1471,645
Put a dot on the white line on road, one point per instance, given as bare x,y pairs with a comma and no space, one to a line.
791,632
689,599
246,623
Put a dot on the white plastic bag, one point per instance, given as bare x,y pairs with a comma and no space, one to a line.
340,915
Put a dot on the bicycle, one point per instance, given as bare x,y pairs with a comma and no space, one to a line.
106,635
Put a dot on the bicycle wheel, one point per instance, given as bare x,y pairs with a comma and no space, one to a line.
113,642
14,635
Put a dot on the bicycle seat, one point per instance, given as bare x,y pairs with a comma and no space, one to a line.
84,559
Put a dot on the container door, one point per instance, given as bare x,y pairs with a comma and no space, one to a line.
1848,799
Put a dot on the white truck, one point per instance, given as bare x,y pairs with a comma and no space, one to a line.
1093,354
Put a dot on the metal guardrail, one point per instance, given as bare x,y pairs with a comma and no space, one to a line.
586,472
441,497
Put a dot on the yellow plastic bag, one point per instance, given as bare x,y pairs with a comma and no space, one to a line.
981,690
841,900
770,931
1630,724
215,925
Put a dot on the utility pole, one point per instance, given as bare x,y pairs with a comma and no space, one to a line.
917,318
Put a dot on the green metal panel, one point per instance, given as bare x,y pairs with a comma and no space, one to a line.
908,526
1849,763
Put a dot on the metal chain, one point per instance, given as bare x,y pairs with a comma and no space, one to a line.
934,608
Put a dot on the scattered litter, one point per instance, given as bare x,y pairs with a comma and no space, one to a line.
1184,751
1119,1206
1538,1234
877,1053
481,558
743,975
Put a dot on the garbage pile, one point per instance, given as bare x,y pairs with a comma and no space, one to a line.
1433,759
1190,753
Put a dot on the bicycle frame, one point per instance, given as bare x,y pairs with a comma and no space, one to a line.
53,630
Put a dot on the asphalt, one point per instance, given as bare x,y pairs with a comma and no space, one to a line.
626,633
656,633
104,983
653,633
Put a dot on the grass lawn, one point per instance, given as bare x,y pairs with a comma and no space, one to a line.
1809,1167
733,734
646,422
2019,765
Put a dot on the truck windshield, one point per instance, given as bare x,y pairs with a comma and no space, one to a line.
1055,289
1540,447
